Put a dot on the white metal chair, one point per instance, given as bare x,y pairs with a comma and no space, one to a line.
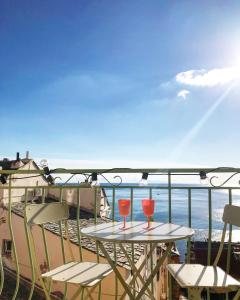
87,275
196,277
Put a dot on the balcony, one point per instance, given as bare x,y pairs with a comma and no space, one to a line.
179,196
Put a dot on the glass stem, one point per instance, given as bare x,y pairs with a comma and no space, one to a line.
124,222
148,222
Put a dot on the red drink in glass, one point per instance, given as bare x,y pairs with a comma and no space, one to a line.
124,209
148,209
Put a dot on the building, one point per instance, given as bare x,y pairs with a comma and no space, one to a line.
87,197
18,180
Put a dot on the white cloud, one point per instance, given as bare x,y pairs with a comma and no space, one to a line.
183,94
208,78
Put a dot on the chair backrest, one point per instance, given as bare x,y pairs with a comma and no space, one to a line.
231,215
46,212
39,214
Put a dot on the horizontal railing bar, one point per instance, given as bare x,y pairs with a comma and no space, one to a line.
165,187
126,170
173,187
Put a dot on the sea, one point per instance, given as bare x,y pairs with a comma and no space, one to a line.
199,209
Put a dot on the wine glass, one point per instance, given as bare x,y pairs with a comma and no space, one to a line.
124,208
148,209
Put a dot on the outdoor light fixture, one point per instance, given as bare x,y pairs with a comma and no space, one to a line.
44,165
3,178
94,179
46,170
144,181
203,177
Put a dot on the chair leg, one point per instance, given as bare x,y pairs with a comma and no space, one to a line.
194,293
45,290
89,294
82,294
77,293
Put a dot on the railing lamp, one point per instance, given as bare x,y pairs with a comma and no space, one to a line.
94,179
144,180
203,177
44,165
3,178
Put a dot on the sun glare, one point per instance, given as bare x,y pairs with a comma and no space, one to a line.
238,64
236,61
236,67
236,58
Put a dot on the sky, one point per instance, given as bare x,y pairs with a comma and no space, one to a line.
121,83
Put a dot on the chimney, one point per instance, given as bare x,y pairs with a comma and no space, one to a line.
18,157
27,154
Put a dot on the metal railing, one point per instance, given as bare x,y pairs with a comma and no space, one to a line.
195,199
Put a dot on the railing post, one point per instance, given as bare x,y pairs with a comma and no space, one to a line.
132,246
1,270
189,224
229,241
15,256
45,243
170,220
209,226
62,244
95,221
169,198
209,233
79,223
114,245
113,203
29,246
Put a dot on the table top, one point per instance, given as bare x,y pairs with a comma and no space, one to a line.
136,232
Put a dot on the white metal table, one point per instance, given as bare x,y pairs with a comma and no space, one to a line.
136,232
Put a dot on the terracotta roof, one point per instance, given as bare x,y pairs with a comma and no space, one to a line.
86,219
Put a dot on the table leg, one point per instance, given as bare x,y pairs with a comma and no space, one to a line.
154,271
136,272
115,269
141,267
143,262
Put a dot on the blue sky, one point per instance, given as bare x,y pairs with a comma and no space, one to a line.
150,82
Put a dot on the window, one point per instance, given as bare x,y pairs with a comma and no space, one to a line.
7,248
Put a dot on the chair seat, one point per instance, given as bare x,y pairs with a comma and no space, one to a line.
83,273
196,275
